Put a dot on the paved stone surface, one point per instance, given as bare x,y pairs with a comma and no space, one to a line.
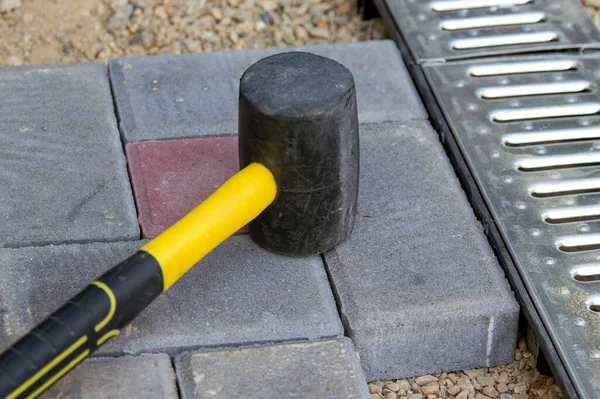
419,287
146,376
190,95
238,294
324,370
62,167
170,178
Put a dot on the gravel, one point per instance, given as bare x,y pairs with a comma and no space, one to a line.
67,31
517,380
593,8
9,5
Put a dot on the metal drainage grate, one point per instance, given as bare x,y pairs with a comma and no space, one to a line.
529,128
455,29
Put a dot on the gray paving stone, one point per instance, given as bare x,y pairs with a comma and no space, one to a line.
146,376
174,96
323,369
238,294
62,167
419,287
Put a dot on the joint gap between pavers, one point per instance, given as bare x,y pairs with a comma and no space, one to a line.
116,108
133,190
122,141
400,123
71,242
336,298
114,103
178,350
182,137
135,203
177,382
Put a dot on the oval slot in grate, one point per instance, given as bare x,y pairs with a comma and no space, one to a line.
524,114
517,68
567,187
457,5
535,164
579,243
586,273
551,136
594,304
505,40
495,21
572,214
537,89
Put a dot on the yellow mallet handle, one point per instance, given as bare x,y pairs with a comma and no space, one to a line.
109,303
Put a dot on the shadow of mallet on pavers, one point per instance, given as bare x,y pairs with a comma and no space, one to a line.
299,150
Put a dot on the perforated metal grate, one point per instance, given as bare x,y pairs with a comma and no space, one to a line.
457,29
529,128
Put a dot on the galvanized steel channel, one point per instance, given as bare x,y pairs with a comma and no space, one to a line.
533,143
517,84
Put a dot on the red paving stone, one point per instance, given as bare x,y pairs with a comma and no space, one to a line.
170,178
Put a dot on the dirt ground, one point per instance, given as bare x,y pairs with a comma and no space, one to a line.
67,31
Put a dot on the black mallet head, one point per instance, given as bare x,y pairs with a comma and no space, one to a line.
298,117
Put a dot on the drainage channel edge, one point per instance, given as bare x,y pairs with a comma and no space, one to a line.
535,159
575,83
459,29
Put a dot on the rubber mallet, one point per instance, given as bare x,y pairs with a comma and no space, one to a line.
298,147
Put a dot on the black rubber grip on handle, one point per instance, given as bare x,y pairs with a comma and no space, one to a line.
79,327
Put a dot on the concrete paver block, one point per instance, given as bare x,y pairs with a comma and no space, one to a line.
323,369
238,294
146,376
179,96
419,288
170,178
62,166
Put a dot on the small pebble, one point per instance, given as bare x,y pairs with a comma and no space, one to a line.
9,5
269,5
520,388
404,384
430,389
393,386
13,60
425,379
490,391
485,380
464,394
266,18
415,387
374,389
503,377
501,387
475,373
